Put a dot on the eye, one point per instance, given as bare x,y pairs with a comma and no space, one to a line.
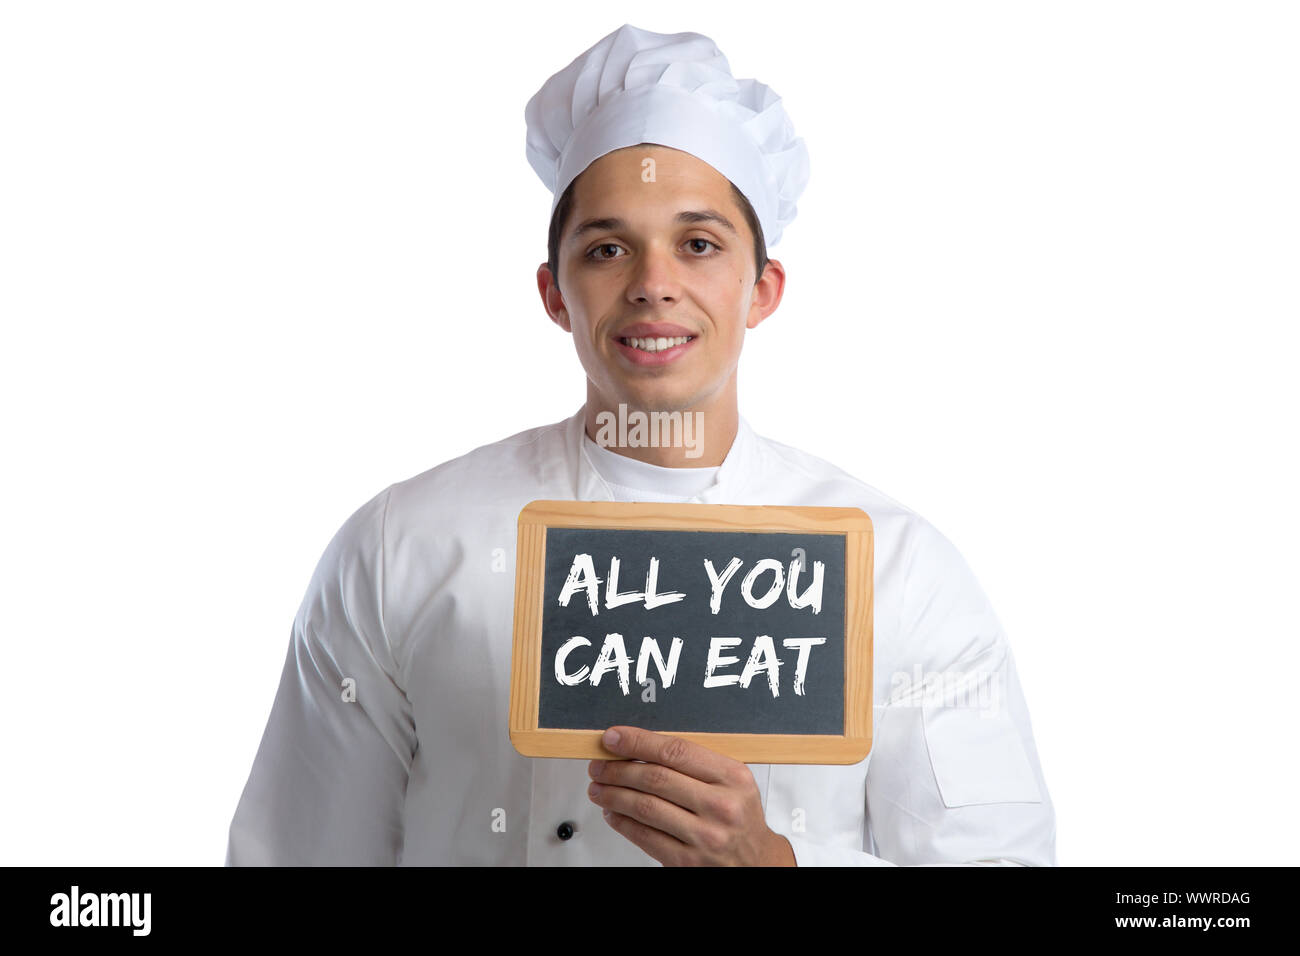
594,253
707,242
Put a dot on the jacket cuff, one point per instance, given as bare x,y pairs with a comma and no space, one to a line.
807,853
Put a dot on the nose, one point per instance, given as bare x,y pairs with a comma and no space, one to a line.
655,279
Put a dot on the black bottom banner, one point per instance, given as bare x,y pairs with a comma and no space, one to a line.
348,905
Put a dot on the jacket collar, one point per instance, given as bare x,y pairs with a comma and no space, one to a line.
735,472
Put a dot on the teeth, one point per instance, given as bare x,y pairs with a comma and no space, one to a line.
657,345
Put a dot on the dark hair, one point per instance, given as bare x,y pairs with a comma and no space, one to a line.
565,205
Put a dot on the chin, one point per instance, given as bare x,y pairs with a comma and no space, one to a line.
674,400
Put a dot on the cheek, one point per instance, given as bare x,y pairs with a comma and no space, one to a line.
729,316
727,298
581,332
591,298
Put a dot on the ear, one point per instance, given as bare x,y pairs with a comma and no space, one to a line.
552,300
767,293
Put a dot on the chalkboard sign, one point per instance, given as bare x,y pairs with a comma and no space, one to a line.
744,628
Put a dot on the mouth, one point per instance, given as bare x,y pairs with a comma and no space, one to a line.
656,351
653,345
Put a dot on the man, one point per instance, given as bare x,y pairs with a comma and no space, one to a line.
387,741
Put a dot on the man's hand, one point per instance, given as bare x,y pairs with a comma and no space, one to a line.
685,805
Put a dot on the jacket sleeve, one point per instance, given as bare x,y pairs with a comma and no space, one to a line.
954,776
329,779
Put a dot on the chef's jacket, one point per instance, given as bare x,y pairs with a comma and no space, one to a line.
387,741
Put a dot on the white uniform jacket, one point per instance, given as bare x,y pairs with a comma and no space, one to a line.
413,600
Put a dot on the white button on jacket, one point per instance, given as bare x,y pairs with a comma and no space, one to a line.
413,600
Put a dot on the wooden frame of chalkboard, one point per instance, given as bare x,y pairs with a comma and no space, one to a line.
849,741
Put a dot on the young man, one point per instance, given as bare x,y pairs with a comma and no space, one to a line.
387,741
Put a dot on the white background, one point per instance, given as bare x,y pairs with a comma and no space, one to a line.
260,260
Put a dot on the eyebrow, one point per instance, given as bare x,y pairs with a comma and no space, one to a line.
689,216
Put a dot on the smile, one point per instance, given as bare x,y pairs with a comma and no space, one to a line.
656,345
654,352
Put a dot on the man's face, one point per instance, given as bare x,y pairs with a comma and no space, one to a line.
651,260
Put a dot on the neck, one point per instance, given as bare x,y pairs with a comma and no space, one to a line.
699,436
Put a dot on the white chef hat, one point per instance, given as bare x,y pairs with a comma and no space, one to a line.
676,90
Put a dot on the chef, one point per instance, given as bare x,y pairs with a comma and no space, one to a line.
387,741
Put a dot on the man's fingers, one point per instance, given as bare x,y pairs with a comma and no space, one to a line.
681,755
653,811
673,785
668,850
